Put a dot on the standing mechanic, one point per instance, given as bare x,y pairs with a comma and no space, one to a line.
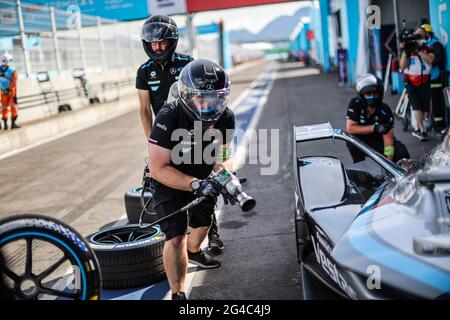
8,82
438,77
372,121
416,61
201,110
159,36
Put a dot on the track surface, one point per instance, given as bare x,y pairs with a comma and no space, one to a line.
81,179
260,258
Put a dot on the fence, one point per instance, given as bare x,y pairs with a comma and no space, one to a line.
42,38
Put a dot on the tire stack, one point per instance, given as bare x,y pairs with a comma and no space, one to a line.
129,256
133,205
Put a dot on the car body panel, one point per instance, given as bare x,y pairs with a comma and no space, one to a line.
370,239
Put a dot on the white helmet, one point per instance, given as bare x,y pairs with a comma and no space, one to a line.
6,59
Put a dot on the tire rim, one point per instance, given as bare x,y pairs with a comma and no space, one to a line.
124,235
30,286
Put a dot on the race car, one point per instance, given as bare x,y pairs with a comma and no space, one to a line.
363,235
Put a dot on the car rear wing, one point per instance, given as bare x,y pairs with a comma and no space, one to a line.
326,131
313,132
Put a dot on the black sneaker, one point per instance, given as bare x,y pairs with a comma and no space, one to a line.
202,260
214,242
179,296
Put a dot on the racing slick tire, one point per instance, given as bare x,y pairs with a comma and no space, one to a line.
35,230
133,205
129,256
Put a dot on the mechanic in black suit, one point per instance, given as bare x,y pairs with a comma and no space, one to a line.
372,121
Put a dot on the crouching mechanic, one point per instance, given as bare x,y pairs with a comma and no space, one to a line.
190,138
372,121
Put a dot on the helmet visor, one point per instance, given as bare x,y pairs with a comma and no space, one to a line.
158,31
207,105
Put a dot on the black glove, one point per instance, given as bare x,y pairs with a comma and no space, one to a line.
208,189
381,128
227,199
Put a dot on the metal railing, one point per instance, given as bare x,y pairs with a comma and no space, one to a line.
42,38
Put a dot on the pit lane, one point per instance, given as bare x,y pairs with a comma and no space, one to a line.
260,257
81,180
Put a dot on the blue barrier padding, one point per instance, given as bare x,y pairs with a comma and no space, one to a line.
397,82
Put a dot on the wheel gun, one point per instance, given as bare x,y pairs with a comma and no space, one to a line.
232,186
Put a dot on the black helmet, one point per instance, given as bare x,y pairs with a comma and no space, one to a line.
203,90
158,28
370,83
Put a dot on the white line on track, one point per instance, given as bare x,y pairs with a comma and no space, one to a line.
240,153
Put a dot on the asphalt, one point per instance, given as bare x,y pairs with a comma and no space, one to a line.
260,260
81,179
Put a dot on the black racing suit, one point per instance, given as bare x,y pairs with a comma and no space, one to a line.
358,111
168,200
438,82
157,78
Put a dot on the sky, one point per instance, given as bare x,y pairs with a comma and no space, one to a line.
233,18
238,18
250,18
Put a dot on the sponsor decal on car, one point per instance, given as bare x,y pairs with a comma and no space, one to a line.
330,267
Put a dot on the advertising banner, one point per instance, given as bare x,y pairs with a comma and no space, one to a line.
167,6
440,21
8,20
139,9
206,5
111,9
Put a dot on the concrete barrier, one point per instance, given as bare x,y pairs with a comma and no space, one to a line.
56,126
48,129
